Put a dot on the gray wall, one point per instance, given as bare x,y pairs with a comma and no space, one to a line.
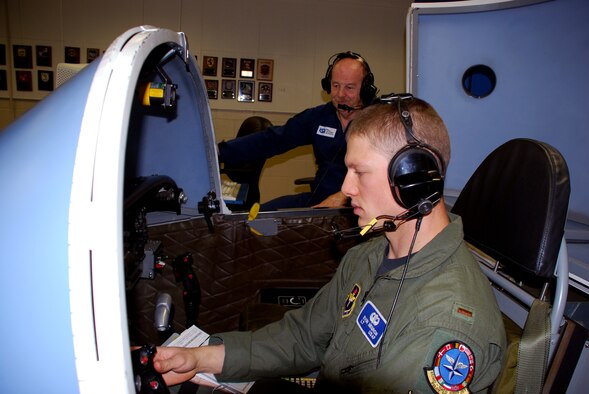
540,55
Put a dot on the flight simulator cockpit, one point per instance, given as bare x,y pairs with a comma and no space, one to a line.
125,180
116,233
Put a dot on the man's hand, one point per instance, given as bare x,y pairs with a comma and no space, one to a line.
336,200
178,365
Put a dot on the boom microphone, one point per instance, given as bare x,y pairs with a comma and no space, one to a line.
388,225
391,223
348,108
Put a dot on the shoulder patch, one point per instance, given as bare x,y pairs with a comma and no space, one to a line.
452,369
351,301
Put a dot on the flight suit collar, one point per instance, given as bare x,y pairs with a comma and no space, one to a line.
431,255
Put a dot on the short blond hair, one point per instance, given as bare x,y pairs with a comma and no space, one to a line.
381,124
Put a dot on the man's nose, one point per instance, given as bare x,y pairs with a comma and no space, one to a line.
337,91
347,187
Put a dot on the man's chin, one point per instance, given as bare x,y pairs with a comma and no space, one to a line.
363,221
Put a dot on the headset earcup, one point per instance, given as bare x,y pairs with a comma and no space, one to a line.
326,81
414,176
368,92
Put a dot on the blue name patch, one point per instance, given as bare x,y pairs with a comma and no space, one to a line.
372,323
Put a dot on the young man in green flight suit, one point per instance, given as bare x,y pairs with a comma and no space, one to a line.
409,310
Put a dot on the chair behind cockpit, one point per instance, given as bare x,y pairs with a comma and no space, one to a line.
248,173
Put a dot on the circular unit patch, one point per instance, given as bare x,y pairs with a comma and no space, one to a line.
453,368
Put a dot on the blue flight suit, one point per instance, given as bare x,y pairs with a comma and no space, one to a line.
318,126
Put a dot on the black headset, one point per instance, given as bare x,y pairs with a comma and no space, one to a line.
367,91
415,176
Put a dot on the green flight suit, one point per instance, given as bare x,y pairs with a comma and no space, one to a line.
446,317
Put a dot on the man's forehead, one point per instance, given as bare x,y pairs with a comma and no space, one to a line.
348,66
360,144
359,140
358,147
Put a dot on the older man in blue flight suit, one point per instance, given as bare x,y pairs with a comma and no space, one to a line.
350,83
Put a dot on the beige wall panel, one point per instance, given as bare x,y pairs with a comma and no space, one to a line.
299,35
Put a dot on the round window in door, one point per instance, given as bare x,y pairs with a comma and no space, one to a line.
479,81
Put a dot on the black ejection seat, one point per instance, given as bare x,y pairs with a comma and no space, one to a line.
514,209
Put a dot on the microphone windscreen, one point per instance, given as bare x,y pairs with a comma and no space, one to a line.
368,226
345,107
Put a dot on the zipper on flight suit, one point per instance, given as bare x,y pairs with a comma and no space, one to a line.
371,286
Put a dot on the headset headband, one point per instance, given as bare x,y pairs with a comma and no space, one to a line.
401,100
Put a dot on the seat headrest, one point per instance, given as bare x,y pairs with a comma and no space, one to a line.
514,206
